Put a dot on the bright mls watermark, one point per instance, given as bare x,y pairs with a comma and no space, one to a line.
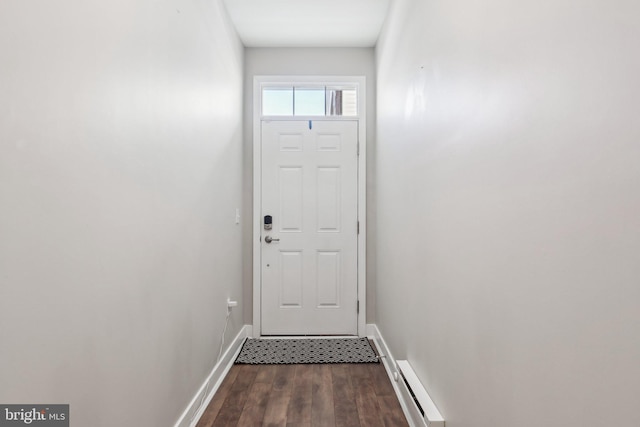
34,415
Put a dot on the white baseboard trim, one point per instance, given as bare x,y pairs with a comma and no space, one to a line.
390,366
194,410
409,408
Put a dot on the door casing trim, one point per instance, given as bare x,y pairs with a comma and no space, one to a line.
360,83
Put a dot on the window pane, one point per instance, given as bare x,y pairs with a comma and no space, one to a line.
277,102
342,102
309,102
289,101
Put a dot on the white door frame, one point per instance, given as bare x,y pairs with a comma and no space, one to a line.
258,83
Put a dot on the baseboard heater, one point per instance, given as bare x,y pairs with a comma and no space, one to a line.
423,411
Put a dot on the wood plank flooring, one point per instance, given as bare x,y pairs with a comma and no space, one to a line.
341,395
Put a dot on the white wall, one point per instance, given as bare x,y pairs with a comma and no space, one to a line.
120,172
307,62
507,208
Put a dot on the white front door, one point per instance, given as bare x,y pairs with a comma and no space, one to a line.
309,258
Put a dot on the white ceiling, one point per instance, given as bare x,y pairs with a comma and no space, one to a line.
308,23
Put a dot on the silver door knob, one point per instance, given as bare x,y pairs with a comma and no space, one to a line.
270,239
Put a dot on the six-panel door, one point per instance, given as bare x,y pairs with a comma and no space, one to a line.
309,188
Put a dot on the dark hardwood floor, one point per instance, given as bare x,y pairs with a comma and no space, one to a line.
348,395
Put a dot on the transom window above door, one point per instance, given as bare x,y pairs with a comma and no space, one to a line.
310,101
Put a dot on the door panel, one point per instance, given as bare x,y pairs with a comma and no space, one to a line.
328,278
328,199
309,187
291,201
290,279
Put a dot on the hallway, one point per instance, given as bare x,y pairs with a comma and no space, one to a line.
502,201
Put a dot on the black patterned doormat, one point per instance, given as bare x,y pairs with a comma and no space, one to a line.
258,351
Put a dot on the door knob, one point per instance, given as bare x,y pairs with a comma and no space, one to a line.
270,239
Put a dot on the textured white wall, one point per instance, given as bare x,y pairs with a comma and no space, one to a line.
307,62
120,172
507,208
